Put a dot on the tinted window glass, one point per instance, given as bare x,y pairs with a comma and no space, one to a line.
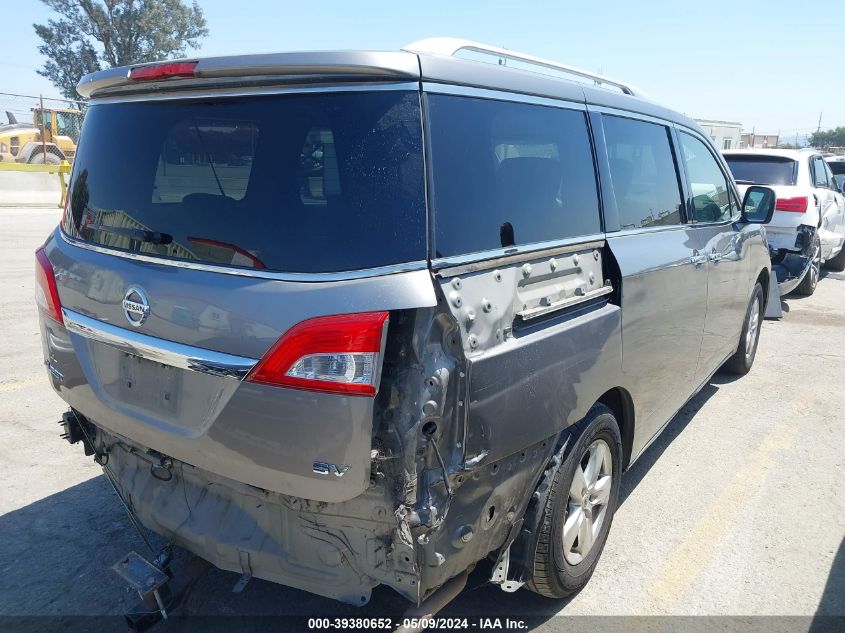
506,174
762,170
295,183
837,166
643,173
820,172
712,201
208,156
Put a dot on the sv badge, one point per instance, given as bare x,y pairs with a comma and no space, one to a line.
325,468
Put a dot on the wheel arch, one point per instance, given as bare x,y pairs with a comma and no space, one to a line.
619,401
763,278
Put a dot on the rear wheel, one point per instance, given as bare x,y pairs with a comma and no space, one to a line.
41,158
837,263
579,508
811,277
743,358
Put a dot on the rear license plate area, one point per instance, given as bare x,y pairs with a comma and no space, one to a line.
148,385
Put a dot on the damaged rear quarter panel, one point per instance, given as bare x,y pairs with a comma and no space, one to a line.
514,386
536,385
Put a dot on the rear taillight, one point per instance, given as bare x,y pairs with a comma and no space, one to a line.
162,71
798,205
46,293
333,354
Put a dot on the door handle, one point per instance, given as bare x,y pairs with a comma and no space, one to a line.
715,257
697,259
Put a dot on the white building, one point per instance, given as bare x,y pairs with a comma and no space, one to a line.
751,139
725,134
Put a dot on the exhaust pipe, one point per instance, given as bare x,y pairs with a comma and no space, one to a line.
434,603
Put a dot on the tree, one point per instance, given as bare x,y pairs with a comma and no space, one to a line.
89,35
828,138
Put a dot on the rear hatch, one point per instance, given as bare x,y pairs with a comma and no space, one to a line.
781,174
199,232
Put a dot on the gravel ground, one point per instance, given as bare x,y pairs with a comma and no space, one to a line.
737,509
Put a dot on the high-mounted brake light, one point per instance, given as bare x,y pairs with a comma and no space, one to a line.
798,205
162,71
333,354
46,293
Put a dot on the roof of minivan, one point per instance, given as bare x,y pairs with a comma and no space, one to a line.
321,67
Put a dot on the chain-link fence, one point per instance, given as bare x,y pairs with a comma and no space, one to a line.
36,129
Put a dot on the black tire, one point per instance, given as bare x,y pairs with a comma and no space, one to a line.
811,278
742,360
837,263
551,574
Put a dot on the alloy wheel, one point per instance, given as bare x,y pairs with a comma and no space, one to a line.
589,495
752,327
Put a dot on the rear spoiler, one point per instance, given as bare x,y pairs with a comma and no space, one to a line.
350,65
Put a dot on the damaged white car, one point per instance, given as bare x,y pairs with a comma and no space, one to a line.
808,227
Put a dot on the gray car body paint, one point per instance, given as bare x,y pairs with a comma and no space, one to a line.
496,394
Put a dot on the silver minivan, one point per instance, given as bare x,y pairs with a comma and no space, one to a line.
342,319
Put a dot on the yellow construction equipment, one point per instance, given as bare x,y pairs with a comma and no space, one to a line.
50,138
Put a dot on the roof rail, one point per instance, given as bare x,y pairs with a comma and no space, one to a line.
449,46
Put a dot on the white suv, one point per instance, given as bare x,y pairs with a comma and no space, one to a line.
810,214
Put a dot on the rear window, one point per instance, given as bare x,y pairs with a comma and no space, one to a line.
506,174
837,166
294,183
762,170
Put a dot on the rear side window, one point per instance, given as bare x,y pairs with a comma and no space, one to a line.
820,177
837,167
712,201
643,173
294,183
762,170
506,174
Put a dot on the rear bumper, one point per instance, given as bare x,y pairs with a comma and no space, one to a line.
256,434
339,551
784,238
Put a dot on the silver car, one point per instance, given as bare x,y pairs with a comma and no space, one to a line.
342,319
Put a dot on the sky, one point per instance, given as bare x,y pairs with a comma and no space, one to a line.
768,64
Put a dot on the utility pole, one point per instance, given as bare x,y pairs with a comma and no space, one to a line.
819,129
43,131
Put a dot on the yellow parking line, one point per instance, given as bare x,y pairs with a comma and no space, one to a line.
20,383
686,563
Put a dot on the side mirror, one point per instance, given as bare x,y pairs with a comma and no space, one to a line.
758,206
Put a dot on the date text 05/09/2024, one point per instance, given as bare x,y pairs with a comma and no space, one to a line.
479,624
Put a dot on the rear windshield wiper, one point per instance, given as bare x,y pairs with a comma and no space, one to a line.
150,237
743,182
